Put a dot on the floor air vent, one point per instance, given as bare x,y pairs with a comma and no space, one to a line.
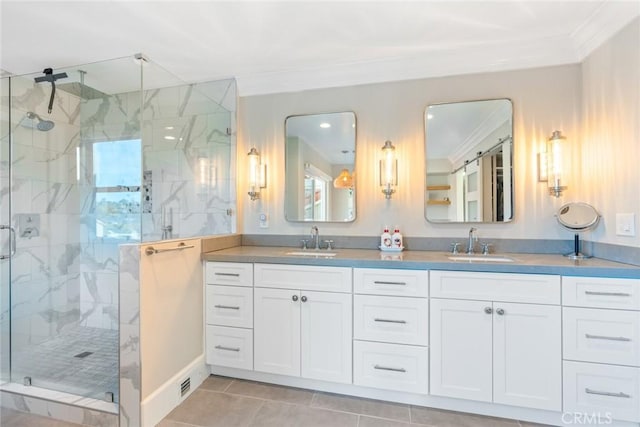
185,387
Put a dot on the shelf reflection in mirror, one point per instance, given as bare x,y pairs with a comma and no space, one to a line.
320,151
469,162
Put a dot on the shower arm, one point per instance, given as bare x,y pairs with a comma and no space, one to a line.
53,94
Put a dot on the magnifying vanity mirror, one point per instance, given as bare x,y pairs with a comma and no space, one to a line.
577,217
320,151
469,162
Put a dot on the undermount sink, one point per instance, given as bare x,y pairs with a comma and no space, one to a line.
312,253
481,258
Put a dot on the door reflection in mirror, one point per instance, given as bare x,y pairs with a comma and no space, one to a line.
469,161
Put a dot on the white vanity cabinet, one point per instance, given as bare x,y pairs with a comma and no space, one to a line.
601,346
303,321
391,329
229,314
496,337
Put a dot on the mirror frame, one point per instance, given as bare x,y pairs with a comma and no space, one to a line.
511,156
355,163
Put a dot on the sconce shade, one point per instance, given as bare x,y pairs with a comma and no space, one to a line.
388,169
554,157
257,174
344,180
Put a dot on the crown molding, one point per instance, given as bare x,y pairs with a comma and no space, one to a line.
501,56
604,23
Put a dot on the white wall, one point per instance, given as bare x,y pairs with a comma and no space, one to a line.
544,100
610,178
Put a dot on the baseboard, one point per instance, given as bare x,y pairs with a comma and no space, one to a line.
169,395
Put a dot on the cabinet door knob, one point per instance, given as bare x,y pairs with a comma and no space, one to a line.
488,310
295,297
304,299
500,312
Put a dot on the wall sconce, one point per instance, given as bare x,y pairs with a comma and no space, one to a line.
257,174
388,170
554,161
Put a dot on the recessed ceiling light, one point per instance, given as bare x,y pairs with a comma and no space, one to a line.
325,125
169,137
169,128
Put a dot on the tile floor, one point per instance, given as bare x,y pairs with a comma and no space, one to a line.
227,402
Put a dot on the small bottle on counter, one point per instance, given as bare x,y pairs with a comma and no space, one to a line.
397,238
385,239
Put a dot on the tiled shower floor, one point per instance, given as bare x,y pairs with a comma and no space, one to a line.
53,364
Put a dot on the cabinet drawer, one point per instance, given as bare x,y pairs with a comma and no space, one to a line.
229,306
379,281
229,273
597,335
601,292
527,288
304,277
391,319
591,388
391,366
232,347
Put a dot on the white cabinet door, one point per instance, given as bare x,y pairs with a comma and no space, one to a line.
277,331
527,358
326,336
461,346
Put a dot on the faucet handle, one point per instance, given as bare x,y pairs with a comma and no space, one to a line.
485,248
329,244
454,248
304,243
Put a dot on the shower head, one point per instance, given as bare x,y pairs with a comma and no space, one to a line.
43,125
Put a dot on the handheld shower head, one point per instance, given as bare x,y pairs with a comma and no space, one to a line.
43,125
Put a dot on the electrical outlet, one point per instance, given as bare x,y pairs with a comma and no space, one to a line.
263,220
626,224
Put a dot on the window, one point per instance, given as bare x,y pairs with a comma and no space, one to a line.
117,172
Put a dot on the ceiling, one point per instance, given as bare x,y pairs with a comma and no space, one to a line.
297,45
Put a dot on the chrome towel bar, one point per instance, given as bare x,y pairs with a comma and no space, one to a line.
150,250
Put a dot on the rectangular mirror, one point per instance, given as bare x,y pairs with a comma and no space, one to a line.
320,151
469,162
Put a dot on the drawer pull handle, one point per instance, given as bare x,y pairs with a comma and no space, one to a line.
220,347
227,274
379,282
390,321
607,393
386,368
608,294
603,337
228,307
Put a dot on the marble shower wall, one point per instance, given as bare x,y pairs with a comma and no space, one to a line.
189,145
45,211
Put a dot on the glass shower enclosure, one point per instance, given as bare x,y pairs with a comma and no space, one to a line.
122,152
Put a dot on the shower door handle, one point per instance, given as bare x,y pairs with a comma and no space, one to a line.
12,236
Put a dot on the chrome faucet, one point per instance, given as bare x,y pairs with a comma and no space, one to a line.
471,244
315,234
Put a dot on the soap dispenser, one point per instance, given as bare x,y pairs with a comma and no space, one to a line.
397,238
385,239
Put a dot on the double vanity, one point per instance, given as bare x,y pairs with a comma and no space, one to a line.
532,337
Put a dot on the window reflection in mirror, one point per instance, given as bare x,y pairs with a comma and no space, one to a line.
469,161
319,167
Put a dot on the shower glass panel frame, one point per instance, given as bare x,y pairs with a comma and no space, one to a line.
63,278
59,295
